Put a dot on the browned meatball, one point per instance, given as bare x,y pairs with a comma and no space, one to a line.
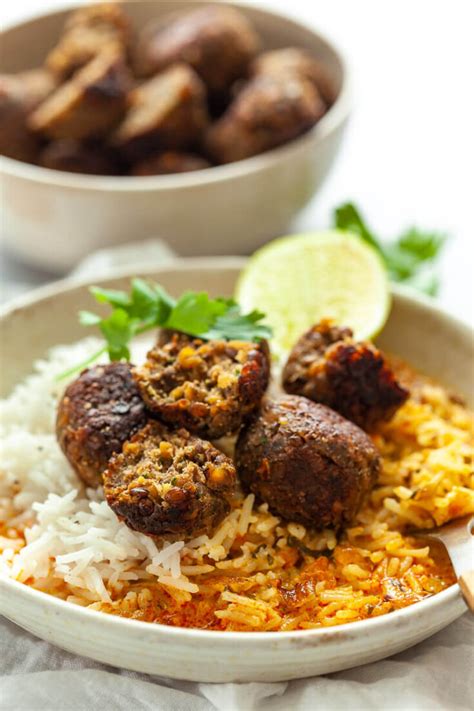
75,157
86,32
268,111
167,482
89,104
19,95
208,387
307,462
217,41
168,111
296,61
98,412
166,335
328,366
169,163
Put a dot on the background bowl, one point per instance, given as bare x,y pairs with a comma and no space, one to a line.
53,219
417,331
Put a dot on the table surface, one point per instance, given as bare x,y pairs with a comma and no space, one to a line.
407,159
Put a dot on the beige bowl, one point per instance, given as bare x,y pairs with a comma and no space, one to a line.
417,330
53,219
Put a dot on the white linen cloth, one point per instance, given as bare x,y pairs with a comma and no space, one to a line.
35,676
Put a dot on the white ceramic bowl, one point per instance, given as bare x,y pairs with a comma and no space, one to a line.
52,219
417,330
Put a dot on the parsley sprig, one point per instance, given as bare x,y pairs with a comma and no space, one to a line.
148,306
410,259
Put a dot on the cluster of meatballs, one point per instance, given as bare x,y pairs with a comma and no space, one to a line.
146,432
191,92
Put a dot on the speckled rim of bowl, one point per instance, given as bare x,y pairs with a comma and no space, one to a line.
350,630
337,114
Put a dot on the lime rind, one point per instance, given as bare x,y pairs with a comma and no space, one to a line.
300,279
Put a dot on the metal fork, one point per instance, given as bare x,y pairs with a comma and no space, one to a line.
457,538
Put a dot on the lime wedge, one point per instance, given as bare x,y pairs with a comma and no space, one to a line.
301,279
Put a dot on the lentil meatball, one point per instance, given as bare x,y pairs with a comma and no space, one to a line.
89,104
75,157
166,335
269,111
168,111
307,462
169,163
208,387
328,366
98,412
216,41
167,482
19,95
296,61
86,32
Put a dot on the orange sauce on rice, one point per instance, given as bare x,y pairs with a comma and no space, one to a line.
296,602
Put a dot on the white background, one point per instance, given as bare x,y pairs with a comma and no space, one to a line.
408,156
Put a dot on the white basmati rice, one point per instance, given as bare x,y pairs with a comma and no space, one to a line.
93,551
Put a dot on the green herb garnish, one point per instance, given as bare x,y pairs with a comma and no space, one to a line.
410,259
149,306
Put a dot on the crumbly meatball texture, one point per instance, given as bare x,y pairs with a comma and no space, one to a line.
169,163
326,365
217,42
167,482
166,112
270,110
19,95
208,387
98,412
86,33
75,157
89,104
307,462
298,61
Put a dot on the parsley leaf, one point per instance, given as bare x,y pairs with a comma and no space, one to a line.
410,259
86,318
149,302
347,217
239,327
425,280
110,296
149,306
423,245
195,313
118,330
